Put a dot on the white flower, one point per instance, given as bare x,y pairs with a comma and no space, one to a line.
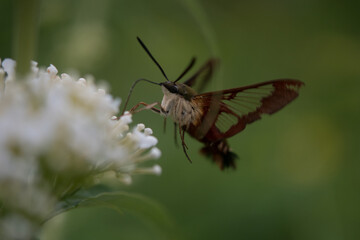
58,133
16,227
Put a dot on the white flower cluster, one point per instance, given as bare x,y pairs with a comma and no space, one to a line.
57,135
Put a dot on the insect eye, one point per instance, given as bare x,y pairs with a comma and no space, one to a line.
173,89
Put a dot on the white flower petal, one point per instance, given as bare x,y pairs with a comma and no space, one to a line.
52,70
9,67
155,153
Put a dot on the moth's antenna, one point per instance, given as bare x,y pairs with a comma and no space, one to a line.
132,88
186,69
151,56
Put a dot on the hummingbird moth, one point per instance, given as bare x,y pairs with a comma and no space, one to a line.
212,117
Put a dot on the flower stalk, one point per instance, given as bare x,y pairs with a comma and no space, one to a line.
26,14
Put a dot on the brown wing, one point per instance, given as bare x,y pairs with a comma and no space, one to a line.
238,107
202,76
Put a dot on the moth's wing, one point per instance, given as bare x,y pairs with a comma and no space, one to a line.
199,80
238,107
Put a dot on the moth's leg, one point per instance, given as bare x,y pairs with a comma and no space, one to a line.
175,135
182,137
164,124
182,133
147,106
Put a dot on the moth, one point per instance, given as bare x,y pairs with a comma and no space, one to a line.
213,117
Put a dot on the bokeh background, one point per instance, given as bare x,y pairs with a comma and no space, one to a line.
298,174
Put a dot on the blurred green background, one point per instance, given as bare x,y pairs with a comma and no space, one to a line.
299,171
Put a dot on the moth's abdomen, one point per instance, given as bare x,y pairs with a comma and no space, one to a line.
220,154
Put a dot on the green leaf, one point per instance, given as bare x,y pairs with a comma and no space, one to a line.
146,209
143,208
73,201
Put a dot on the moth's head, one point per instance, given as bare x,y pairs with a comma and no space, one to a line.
178,88
170,86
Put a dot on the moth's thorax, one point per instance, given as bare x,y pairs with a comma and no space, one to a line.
182,111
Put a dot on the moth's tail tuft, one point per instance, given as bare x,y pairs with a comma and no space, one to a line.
220,154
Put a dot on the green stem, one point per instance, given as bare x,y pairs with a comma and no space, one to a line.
200,16
25,33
